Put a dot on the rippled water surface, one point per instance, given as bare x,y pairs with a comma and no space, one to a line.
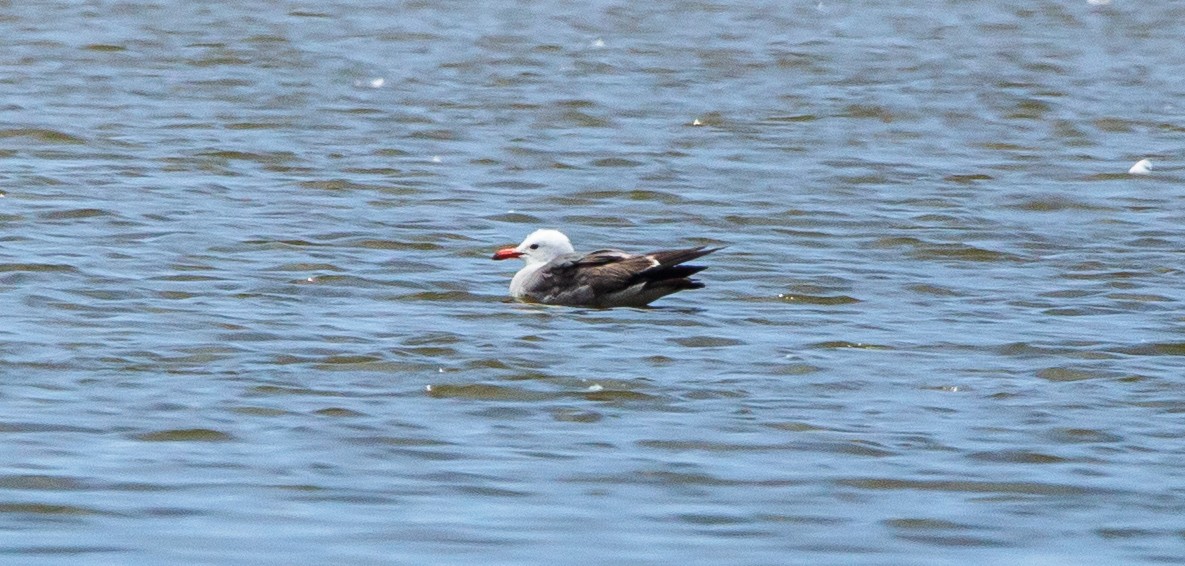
247,313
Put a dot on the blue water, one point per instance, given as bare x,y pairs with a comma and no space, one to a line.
247,312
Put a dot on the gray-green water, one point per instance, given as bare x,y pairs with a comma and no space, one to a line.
247,313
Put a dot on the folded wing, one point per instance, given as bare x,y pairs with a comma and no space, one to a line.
613,278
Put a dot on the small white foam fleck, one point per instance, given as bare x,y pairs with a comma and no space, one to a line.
1098,2
696,122
596,387
428,388
375,82
1142,167
598,43
435,159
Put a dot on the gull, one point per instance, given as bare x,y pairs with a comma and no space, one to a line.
556,275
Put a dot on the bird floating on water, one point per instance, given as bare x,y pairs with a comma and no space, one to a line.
556,275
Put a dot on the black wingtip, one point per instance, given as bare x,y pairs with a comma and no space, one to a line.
675,257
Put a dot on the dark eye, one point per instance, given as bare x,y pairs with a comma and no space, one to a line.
534,246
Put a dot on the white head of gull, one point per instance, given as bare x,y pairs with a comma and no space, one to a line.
555,274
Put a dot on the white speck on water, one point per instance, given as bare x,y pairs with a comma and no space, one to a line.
1098,2
435,159
696,122
598,43
1142,167
595,388
376,82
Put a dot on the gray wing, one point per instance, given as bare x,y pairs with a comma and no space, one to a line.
611,277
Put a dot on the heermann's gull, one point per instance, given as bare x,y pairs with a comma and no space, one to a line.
556,275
